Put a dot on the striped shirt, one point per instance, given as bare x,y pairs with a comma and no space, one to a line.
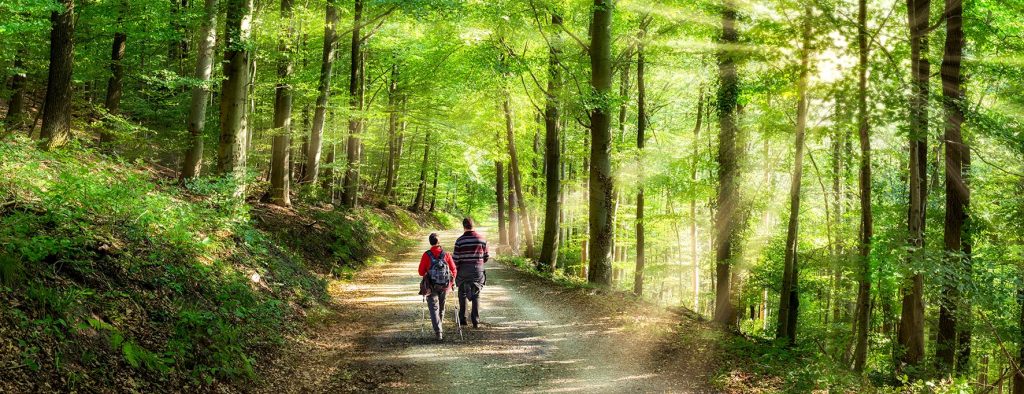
470,254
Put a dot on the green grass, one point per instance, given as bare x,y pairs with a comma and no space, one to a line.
108,269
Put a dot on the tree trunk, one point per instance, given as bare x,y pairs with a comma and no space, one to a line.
417,203
513,214
727,195
951,318
433,191
911,330
114,85
552,153
693,202
390,174
641,128
16,106
1018,376
231,152
316,133
355,120
866,218
499,174
602,184
789,296
280,176
56,130
192,165
516,179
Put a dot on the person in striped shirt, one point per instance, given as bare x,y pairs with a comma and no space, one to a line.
470,254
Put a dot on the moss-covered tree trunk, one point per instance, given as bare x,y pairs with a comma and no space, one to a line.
350,193
602,185
281,146
232,149
727,200
552,153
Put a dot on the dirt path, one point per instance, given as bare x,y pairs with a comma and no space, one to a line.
535,337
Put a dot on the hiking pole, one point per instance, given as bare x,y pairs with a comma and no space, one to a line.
458,322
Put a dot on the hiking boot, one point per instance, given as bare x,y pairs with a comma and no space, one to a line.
440,337
463,322
476,324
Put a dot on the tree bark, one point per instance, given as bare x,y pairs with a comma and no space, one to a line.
641,129
499,174
911,330
280,176
390,174
433,192
516,179
1018,376
552,153
16,106
602,184
316,133
789,296
115,85
953,320
693,201
866,218
417,203
513,213
231,152
727,195
193,162
56,129
355,121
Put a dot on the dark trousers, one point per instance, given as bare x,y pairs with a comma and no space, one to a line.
435,303
464,295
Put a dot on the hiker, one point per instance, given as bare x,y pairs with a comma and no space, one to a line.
470,255
438,271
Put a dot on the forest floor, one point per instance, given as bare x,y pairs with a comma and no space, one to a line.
535,336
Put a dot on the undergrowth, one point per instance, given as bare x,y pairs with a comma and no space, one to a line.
105,268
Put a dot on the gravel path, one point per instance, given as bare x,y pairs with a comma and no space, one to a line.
535,337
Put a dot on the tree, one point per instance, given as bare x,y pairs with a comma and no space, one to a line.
197,109
421,189
391,173
863,314
789,296
56,129
316,134
516,180
115,84
232,150
355,121
280,176
641,129
552,154
16,105
953,320
727,201
601,181
911,329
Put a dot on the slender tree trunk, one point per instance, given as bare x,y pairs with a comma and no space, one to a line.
954,322
641,129
728,195
433,191
517,179
911,330
56,130
499,174
355,121
280,176
193,162
316,134
16,106
417,203
513,213
231,152
789,296
114,85
602,183
1018,376
866,218
552,153
389,176
693,201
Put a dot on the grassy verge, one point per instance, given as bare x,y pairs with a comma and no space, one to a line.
111,277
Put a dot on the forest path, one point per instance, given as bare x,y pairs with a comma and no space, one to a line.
535,336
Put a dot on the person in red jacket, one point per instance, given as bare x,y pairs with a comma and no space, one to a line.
437,292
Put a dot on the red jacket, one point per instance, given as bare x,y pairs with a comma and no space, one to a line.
436,251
